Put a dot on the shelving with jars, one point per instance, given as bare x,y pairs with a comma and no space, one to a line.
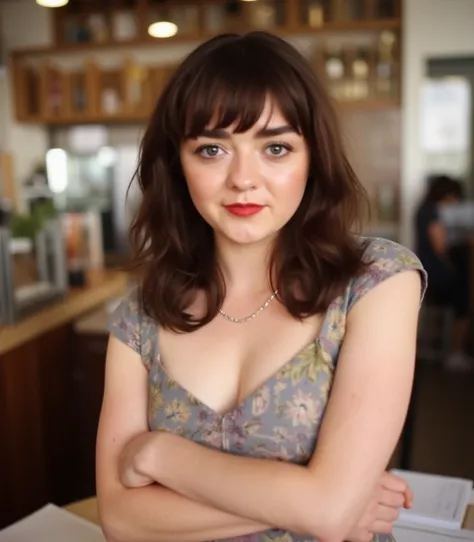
353,43
98,23
93,23
363,69
360,70
88,92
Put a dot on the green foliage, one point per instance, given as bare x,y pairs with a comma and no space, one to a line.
28,225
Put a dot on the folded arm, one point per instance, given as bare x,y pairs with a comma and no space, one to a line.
153,513
363,422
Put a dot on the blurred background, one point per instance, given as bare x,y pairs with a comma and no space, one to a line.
78,80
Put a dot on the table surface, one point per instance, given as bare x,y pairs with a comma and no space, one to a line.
86,509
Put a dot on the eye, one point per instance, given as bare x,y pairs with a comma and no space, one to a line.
277,150
208,151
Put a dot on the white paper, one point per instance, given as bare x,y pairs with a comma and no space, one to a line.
405,534
439,501
52,524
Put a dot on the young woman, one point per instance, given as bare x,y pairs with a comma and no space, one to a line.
257,381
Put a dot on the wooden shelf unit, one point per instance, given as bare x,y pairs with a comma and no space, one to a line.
110,22
74,82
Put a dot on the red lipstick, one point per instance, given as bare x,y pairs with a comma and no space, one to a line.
243,209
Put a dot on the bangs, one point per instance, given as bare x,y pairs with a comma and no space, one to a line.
234,85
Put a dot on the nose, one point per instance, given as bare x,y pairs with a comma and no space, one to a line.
243,172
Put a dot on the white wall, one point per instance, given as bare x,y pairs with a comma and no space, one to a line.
23,24
432,28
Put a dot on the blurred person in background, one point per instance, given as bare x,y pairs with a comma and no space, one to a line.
443,254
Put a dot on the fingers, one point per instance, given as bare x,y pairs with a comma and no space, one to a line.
391,498
387,514
393,483
408,497
383,527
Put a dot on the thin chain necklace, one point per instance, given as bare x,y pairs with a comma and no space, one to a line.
251,316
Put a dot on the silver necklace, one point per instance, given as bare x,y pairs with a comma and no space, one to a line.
251,316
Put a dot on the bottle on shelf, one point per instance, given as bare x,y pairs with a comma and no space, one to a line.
79,93
385,73
98,28
360,75
335,70
55,93
314,16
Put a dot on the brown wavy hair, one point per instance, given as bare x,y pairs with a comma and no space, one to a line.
224,81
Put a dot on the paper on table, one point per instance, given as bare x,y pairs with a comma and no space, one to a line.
52,524
418,534
439,501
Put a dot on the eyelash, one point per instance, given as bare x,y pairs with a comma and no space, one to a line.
201,149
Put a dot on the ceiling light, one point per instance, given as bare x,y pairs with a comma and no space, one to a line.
52,3
162,29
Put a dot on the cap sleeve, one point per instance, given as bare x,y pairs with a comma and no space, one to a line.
386,259
130,325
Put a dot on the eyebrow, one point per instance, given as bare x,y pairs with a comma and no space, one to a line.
264,132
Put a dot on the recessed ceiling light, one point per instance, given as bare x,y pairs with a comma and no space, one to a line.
162,29
52,3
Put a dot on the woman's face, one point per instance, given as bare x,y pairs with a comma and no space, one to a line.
247,186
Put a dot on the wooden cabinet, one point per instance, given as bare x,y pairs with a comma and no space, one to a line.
38,421
50,397
89,372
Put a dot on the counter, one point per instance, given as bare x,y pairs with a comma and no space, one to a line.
102,286
51,386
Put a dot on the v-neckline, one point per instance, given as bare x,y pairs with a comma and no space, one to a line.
241,404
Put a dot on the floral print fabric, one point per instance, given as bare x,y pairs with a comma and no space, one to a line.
281,418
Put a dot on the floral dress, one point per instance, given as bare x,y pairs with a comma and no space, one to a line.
282,417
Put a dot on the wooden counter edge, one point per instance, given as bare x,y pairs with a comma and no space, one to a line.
102,286
86,509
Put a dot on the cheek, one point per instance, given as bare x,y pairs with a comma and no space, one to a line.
290,181
200,185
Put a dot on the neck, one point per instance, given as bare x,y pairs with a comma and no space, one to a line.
245,267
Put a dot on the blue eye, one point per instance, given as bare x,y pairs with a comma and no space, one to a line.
208,151
278,150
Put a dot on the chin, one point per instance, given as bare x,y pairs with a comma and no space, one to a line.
247,238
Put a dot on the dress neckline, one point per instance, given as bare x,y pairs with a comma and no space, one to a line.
316,342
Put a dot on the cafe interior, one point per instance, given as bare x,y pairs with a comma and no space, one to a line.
78,81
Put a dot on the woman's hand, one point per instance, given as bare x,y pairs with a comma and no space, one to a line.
137,460
391,494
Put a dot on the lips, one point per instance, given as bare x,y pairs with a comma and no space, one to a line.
244,209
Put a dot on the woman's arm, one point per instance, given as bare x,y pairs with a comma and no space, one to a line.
151,513
363,422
